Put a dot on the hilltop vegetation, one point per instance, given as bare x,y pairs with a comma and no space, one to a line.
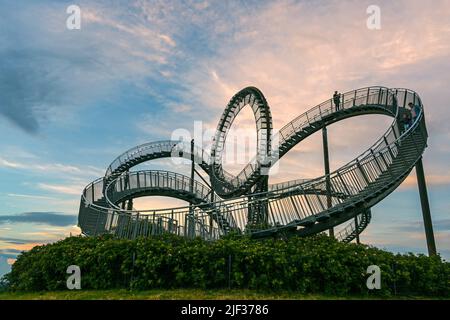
314,265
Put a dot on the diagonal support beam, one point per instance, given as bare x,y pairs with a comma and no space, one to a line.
425,208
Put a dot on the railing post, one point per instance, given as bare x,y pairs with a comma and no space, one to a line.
307,201
376,161
363,173
138,182
386,164
146,225
136,226
425,208
394,133
297,212
111,220
96,223
389,148
153,223
343,183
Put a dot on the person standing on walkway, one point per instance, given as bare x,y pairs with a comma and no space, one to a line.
405,119
337,100
415,111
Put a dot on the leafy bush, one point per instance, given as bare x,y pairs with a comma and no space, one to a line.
4,284
316,264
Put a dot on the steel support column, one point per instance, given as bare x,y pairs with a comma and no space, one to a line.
356,230
425,208
210,216
326,161
191,220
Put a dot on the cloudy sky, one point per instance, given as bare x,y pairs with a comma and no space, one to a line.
73,100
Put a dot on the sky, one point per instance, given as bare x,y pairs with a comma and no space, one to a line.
73,100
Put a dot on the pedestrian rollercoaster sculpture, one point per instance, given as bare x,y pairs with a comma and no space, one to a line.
247,203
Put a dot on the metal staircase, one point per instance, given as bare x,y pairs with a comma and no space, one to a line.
353,229
298,206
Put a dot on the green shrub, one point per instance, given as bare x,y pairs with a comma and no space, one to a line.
316,264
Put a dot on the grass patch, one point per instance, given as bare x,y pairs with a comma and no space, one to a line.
185,294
